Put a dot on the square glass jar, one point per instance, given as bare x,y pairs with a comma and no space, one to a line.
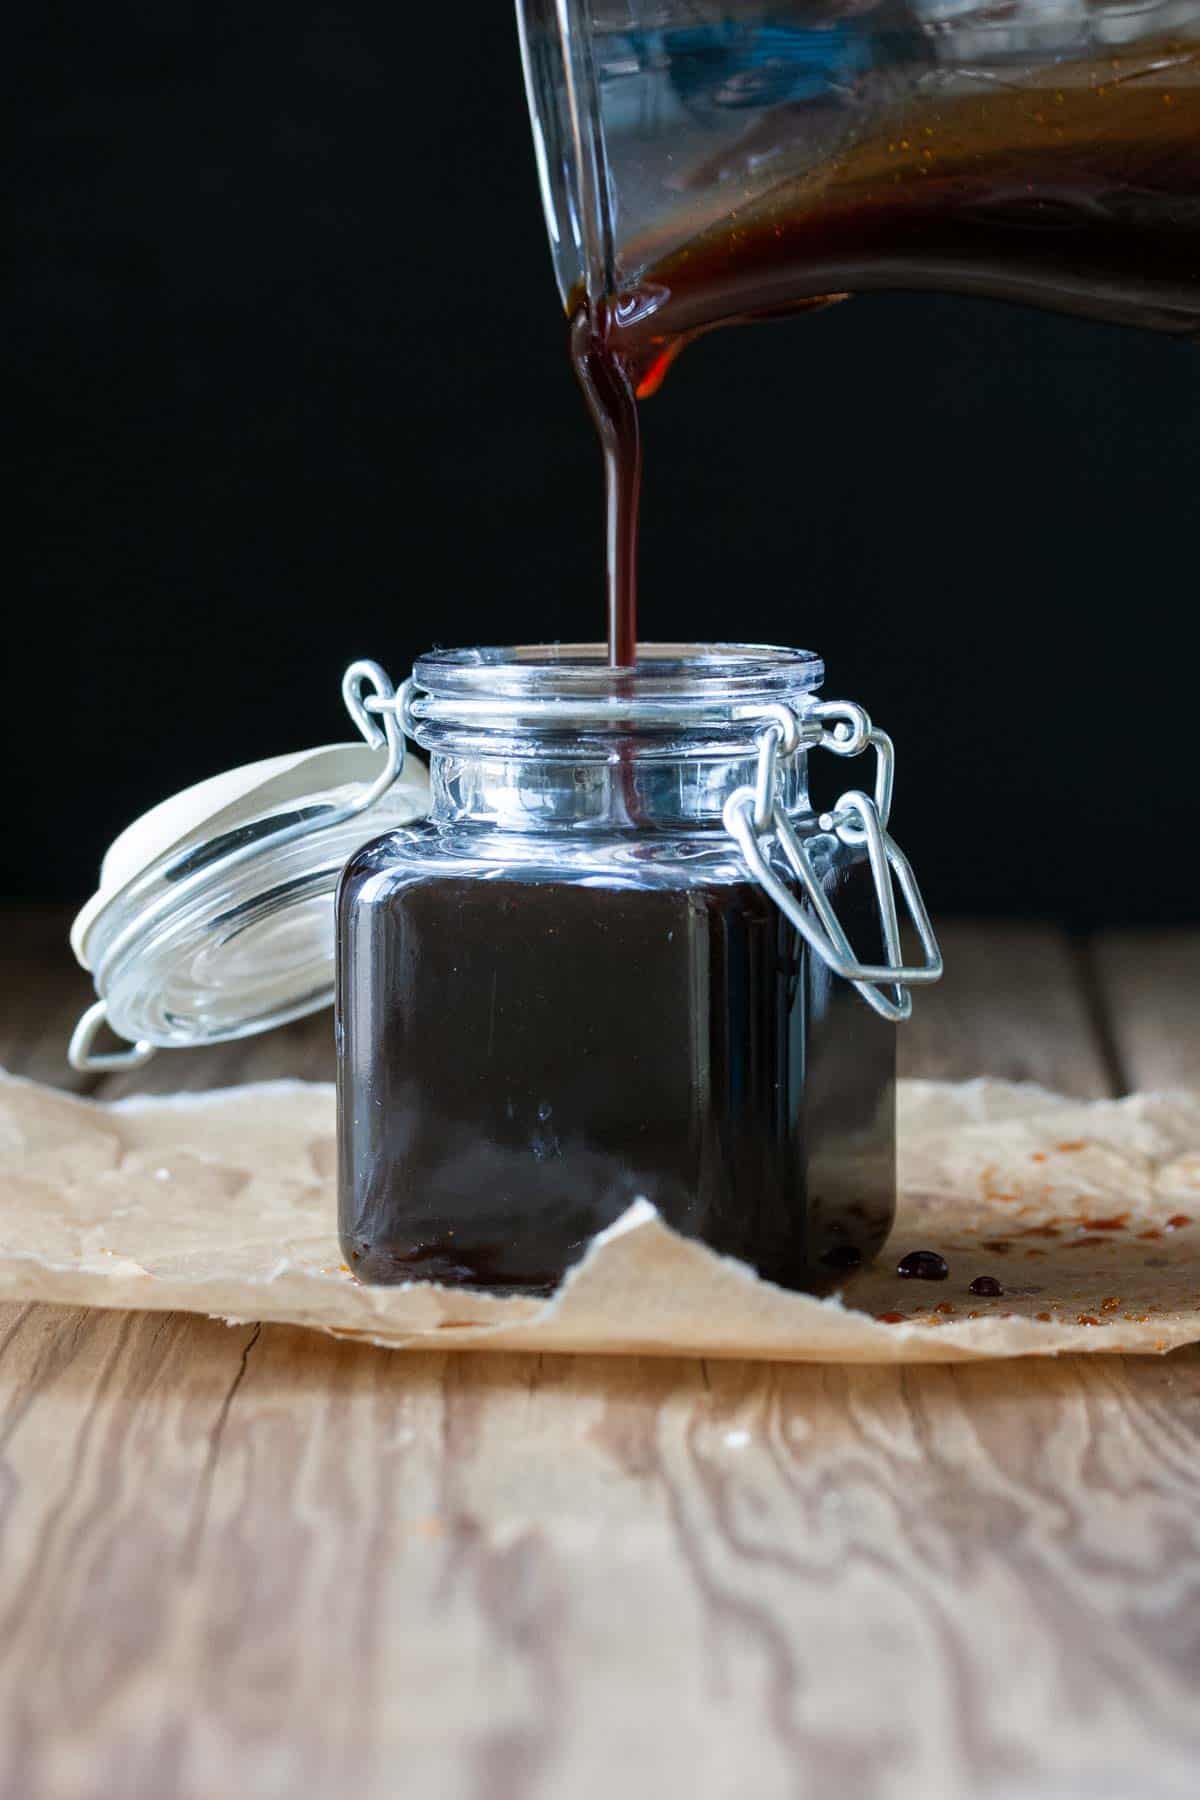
565,989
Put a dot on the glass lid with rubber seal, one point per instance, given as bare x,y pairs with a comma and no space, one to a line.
214,914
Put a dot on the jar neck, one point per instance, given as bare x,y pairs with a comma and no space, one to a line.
524,792
550,738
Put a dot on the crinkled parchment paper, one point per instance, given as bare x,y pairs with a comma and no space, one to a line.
1088,1215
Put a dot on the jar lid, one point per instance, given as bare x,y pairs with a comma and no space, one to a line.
214,914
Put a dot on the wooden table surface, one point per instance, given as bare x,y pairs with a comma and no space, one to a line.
255,1561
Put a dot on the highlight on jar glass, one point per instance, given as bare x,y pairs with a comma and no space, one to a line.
607,950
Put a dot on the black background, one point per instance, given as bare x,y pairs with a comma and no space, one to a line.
287,380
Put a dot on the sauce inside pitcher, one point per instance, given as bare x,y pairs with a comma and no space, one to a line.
1070,182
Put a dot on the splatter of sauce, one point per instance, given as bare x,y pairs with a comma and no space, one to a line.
923,1265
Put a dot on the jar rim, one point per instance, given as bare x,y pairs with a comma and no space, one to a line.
667,671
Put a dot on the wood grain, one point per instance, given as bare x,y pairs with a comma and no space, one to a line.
1151,986
257,1562
270,1564
1011,1004
42,993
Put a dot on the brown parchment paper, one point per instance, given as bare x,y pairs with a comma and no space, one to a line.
1088,1214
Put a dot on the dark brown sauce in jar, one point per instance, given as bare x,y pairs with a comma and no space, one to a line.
523,1058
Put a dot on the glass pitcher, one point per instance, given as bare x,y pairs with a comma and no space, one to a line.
705,161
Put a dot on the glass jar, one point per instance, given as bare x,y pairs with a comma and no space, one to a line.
610,950
568,988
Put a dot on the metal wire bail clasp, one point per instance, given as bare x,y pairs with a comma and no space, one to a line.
757,820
